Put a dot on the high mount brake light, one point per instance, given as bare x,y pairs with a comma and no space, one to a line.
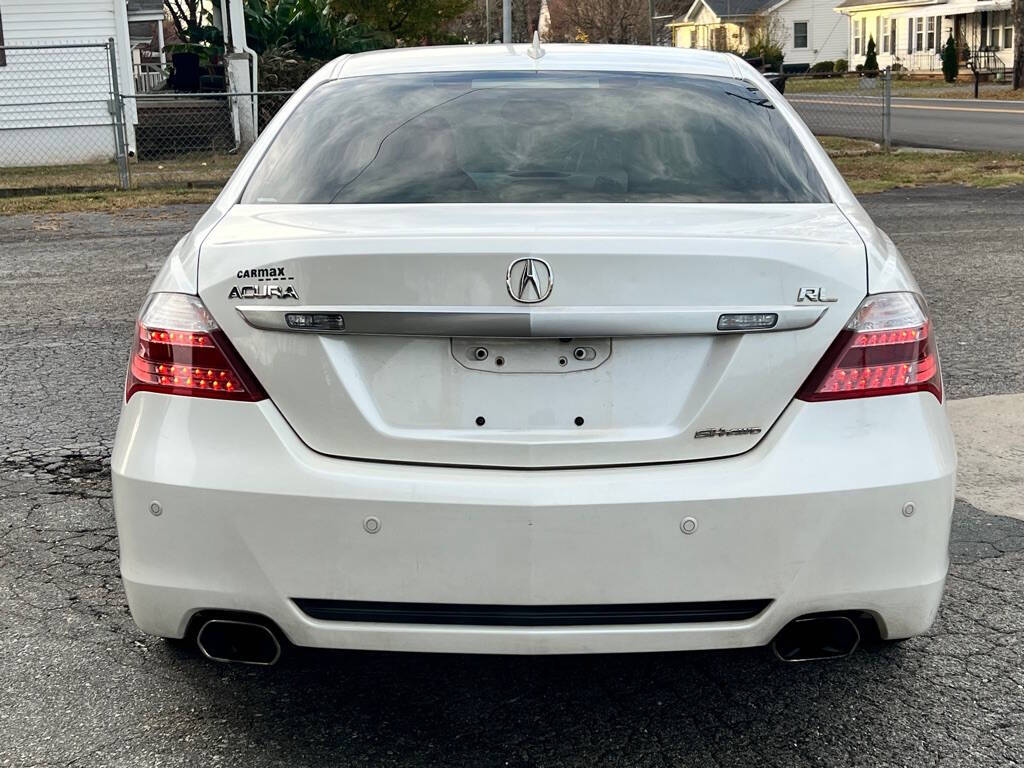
886,348
180,350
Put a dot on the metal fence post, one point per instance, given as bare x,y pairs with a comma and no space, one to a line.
117,110
887,110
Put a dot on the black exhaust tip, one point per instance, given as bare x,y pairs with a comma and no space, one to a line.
815,638
240,642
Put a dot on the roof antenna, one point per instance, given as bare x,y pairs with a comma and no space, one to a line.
535,51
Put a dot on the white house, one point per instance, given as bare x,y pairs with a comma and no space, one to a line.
811,30
55,85
909,34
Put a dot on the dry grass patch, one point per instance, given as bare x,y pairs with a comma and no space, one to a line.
867,168
926,89
106,200
200,170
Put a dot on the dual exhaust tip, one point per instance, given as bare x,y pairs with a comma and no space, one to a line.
256,642
817,638
239,641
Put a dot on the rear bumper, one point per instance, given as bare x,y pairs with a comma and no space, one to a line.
811,519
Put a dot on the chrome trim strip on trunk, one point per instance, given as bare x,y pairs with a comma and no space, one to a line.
549,323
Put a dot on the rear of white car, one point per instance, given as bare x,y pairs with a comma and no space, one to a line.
485,352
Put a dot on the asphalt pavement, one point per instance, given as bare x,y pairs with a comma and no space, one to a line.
964,124
80,685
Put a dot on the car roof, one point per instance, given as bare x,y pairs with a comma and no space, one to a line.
555,57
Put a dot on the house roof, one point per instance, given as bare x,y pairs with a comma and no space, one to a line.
885,3
725,9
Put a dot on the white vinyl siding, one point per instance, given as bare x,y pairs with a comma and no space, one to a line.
75,127
828,32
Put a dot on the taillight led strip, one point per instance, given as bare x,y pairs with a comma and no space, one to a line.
866,360
194,360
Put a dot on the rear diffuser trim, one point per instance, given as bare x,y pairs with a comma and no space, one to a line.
530,615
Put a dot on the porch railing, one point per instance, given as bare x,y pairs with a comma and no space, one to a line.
149,77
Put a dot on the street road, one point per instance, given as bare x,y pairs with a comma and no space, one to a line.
80,685
942,123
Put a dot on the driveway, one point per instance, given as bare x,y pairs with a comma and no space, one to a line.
81,686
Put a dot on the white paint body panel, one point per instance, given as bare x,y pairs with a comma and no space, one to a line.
408,399
809,517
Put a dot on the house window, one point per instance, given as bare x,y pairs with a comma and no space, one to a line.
858,26
799,34
693,38
887,30
919,34
718,39
1002,26
931,34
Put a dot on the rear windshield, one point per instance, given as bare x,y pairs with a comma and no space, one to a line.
549,137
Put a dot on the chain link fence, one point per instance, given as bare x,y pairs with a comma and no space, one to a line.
194,139
59,108
65,124
854,105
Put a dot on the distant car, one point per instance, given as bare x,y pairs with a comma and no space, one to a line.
527,350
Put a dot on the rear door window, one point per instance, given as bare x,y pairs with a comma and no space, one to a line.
549,137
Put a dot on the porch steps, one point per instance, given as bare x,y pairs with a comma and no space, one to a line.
174,126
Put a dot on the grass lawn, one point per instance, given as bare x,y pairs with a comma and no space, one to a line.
865,166
930,89
194,170
194,179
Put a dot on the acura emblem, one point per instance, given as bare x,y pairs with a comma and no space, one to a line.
529,280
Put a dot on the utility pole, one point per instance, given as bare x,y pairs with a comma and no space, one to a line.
650,15
506,21
1018,44
487,14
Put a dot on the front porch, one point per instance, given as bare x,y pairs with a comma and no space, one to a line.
910,41
149,61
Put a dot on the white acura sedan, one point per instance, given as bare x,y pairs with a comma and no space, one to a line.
522,349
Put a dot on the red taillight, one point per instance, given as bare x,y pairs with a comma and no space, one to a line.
887,348
180,350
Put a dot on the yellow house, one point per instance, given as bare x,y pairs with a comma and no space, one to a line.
808,31
717,25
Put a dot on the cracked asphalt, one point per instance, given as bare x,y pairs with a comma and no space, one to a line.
80,685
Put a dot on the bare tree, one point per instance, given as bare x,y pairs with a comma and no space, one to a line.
472,25
608,21
766,35
1018,44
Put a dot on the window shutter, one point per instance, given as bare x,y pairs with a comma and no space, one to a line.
3,53
938,34
910,35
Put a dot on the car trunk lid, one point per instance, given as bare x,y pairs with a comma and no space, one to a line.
420,290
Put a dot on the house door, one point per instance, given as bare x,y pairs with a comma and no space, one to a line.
960,37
